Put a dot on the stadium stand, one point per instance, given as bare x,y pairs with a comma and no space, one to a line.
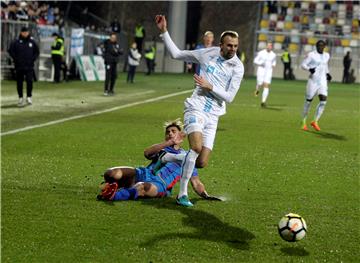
299,25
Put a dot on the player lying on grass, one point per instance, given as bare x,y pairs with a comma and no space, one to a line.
158,178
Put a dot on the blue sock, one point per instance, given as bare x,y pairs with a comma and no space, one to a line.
125,194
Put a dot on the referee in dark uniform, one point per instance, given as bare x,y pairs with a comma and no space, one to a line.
24,51
111,53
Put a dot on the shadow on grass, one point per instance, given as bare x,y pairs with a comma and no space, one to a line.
205,227
327,135
10,106
295,251
267,107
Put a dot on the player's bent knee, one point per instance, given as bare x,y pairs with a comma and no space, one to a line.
201,163
322,97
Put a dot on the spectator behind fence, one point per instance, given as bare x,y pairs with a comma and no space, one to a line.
133,61
24,51
139,36
347,64
57,54
150,59
111,53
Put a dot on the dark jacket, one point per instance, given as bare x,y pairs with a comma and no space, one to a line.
111,52
24,52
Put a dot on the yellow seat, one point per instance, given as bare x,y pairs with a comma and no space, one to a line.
345,42
312,40
264,23
332,21
279,38
355,22
305,20
356,35
289,25
293,48
262,37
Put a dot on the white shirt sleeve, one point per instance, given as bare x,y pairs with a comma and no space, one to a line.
258,60
327,64
306,62
176,53
229,95
274,61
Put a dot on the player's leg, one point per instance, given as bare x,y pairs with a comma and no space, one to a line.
188,165
124,176
309,95
209,133
107,78
29,85
19,85
265,94
319,111
259,81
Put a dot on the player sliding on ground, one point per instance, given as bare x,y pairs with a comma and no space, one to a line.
219,81
155,180
316,62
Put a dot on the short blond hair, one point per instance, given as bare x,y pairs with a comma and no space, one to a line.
174,123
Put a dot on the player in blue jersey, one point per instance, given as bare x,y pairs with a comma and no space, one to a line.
221,73
158,178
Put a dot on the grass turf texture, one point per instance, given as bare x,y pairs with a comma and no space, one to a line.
262,162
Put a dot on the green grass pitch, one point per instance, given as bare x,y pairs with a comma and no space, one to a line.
262,163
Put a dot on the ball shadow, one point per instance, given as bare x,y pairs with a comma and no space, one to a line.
295,251
205,226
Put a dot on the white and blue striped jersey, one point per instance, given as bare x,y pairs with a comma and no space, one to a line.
224,75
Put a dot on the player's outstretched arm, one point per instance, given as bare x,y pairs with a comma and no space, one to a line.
199,188
175,52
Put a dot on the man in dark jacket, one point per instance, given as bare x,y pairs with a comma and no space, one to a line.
111,52
24,51
347,64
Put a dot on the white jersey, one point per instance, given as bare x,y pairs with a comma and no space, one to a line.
224,75
265,60
134,57
320,63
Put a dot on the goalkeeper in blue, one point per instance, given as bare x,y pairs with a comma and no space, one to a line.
158,178
221,73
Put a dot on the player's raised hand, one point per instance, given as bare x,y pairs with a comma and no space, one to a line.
202,82
179,138
161,23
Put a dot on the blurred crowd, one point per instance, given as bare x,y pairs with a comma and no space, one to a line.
39,12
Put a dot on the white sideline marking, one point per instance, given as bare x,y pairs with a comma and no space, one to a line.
94,113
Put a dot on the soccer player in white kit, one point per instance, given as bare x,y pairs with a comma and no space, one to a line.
265,61
219,80
316,62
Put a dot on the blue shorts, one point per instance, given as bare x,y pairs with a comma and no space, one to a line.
144,175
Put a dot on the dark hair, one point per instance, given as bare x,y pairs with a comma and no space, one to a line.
320,42
230,33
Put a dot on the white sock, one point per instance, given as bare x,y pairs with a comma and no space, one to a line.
306,108
265,94
187,169
319,110
173,157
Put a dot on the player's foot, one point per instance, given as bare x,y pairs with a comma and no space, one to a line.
29,100
256,93
106,93
184,201
108,191
20,102
304,127
315,125
263,105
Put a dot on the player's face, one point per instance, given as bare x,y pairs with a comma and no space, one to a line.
229,47
24,34
171,132
113,38
208,40
320,47
269,47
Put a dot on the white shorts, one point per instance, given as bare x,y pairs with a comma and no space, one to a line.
197,121
263,76
313,89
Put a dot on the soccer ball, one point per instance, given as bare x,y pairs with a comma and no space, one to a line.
292,227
